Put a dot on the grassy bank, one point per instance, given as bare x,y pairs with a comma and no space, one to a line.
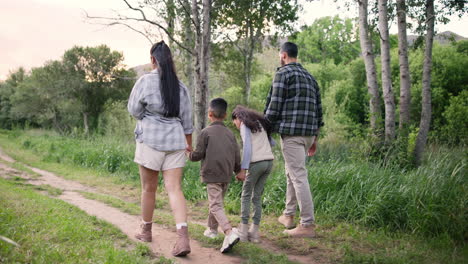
431,200
366,212
51,231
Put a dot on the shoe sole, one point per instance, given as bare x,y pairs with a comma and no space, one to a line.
144,239
182,254
229,247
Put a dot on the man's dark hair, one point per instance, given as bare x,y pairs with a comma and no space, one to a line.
218,106
290,48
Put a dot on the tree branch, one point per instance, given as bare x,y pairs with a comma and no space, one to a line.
142,19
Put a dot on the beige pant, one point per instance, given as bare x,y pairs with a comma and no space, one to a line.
298,189
217,217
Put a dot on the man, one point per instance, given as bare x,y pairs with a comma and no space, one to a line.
294,109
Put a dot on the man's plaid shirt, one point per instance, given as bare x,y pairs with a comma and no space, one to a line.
294,106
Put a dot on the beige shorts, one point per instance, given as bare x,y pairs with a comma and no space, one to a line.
159,160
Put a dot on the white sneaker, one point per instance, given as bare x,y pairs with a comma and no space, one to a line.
230,241
210,233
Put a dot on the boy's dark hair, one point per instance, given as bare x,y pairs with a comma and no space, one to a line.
290,48
252,119
218,107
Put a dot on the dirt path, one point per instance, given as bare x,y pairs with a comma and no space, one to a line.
162,245
163,238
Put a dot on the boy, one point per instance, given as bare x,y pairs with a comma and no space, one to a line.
218,150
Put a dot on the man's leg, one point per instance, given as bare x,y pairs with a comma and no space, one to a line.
294,151
291,200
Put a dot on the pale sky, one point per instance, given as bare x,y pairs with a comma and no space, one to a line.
35,31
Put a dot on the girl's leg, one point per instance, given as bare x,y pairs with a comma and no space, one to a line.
264,171
149,184
172,182
247,189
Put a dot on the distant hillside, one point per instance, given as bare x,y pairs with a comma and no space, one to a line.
141,69
442,38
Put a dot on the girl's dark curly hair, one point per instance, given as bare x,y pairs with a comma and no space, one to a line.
252,119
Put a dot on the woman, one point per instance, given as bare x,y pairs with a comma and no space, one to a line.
161,104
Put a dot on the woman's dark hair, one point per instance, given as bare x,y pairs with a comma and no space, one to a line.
170,89
251,119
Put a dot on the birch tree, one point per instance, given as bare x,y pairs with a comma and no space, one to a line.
405,79
388,97
426,112
371,76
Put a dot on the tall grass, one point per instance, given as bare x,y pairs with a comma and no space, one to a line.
431,200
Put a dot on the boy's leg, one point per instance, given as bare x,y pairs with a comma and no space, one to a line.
212,223
216,192
263,172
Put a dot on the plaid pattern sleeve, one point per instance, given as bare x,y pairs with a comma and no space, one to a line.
294,104
153,129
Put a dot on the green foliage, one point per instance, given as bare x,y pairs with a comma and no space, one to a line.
328,39
456,115
115,121
61,93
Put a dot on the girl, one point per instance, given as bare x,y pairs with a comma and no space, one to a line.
258,161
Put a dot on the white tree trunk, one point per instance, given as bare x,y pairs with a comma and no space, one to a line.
388,96
202,60
405,79
426,112
371,76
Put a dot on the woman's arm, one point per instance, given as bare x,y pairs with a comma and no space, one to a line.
135,107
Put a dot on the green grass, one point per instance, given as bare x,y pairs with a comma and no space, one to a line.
371,212
51,231
430,200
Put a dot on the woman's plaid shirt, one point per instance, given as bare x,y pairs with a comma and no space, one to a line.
294,106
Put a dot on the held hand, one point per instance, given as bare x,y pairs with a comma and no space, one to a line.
241,176
312,149
188,149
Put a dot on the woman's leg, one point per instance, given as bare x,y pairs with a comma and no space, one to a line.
149,184
172,182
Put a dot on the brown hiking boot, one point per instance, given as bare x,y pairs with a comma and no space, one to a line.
301,231
182,246
243,232
145,232
287,221
254,235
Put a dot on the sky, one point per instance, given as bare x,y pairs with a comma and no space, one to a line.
35,31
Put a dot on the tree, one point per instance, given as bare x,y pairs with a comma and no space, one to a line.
328,38
371,76
7,89
389,99
405,79
95,75
196,19
245,23
43,98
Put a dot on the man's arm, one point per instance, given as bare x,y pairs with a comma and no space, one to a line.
276,98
